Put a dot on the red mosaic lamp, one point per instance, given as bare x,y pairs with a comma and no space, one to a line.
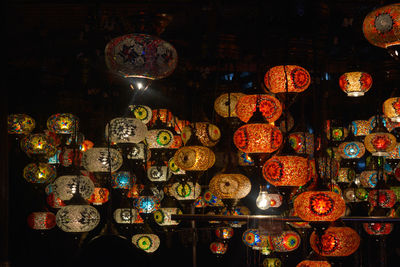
378,229
379,142
314,263
269,106
391,109
356,83
287,79
41,220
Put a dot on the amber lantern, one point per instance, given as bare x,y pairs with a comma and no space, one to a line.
206,133
335,242
20,124
225,104
41,220
378,228
391,109
269,106
100,196
314,263
194,158
258,138
288,78
230,186
379,142
381,28
355,83
319,206
39,172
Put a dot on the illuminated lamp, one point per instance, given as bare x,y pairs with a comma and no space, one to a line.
288,78
41,220
194,158
381,28
158,173
174,168
126,130
100,196
39,173
159,138
355,83
185,190
179,125
137,152
314,263
163,216
206,133
211,200
225,104
63,123
384,198
319,206
125,215
269,106
102,159
54,201
360,128
251,237
218,247
65,187
346,175
300,224
237,210
86,145
77,218
302,142
351,150
20,124
391,108
70,156
38,145
147,204
224,233
141,112
378,228
335,242
149,243
230,186
263,201
379,142
286,171
244,159
258,138
336,133
272,262
285,242
361,194
161,117
369,178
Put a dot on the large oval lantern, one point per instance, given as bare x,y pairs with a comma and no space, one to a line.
141,56
194,158
102,159
20,124
63,123
225,104
288,78
126,130
146,242
258,138
230,186
285,242
355,83
77,218
302,142
351,150
269,106
41,220
391,109
65,187
208,134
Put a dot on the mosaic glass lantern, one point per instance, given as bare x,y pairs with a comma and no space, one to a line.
360,128
224,233
159,138
63,123
351,150
288,78
335,242
126,130
346,175
208,134
218,247
20,124
355,83
336,133
319,206
65,187
163,116
237,210
378,228
39,173
211,200
69,157
369,179
141,56
391,108
147,242
41,220
251,237
179,125
225,104
54,201
38,145
137,152
230,186
158,173
185,191
77,218
258,138
286,171
147,204
384,198
141,112
314,263
163,216
328,168
272,262
302,142
285,242
102,159
177,142
361,194
174,168
379,142
194,158
269,106
122,180
100,196
395,153
125,215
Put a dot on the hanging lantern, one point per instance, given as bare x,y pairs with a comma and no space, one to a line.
302,142
39,173
141,112
225,104
185,191
237,210
378,228
194,158
147,242
141,56
41,220
126,130
230,186
208,134
258,138
137,152
77,218
63,123
287,171
384,198
391,108
160,138
328,168
65,187
38,145
100,196
381,27
361,194
251,237
158,173
174,168
162,115
272,262
355,83
211,200
379,142
69,157
335,242
122,180
360,128
336,133
147,204
102,159
20,124
125,215
288,78
163,216
285,242
179,125
351,150
269,106
346,175
224,233
314,263
369,179
218,247
54,201
319,206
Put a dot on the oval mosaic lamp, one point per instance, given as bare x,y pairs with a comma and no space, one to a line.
141,56
141,112
38,144
20,124
208,134
77,218
319,206
251,237
63,123
225,104
39,173
378,228
147,242
218,247
351,150
287,78
269,106
285,242
302,142
384,198
163,216
65,187
230,186
194,158
159,138
380,143
356,83
360,128
100,196
391,108
41,220
185,191
102,159
126,130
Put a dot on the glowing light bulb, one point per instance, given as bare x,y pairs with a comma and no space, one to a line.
263,200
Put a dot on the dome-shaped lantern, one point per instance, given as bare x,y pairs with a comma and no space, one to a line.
355,83
206,133
218,247
288,78
230,186
63,123
77,218
39,173
391,108
194,158
65,187
225,104
141,112
126,130
41,220
269,106
102,159
147,242
20,124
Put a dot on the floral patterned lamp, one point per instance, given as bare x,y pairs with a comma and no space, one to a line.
20,124
269,106
356,83
288,78
63,123
126,130
379,142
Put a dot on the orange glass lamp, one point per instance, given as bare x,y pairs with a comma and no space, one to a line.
287,171
335,242
258,138
269,106
356,83
20,124
230,186
314,263
379,142
314,206
99,196
225,104
391,108
206,133
194,158
376,229
287,78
